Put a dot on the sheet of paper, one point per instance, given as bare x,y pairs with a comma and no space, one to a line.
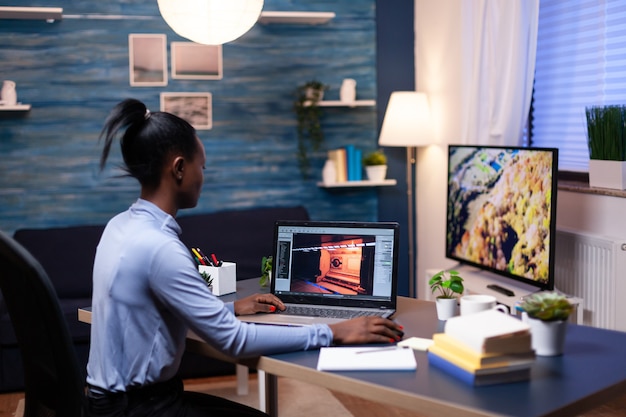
416,343
366,359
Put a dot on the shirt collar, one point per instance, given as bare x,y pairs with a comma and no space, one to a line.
146,207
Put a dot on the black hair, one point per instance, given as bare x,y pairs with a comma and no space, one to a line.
148,140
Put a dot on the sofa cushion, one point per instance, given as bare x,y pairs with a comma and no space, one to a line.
79,331
66,254
240,236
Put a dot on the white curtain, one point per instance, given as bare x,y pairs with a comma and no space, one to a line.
476,60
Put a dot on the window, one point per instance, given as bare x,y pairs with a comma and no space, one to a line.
581,62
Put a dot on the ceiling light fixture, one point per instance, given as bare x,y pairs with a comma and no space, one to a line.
210,22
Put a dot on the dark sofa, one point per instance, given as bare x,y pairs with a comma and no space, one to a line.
66,253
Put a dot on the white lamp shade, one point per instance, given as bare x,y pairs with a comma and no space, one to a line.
407,120
210,22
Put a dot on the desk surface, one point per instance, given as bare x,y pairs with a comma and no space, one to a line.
591,371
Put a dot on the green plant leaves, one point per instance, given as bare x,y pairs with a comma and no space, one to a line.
606,132
547,306
447,283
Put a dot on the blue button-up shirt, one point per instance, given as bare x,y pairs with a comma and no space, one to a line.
147,294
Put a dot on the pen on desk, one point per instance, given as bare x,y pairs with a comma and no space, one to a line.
395,347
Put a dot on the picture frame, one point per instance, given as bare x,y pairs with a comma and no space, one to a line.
193,61
195,108
147,54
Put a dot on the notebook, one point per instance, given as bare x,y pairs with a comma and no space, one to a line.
333,265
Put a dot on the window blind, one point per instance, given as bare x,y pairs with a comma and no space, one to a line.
581,62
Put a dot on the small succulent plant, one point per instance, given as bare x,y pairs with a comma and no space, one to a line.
266,270
375,158
547,306
207,278
447,283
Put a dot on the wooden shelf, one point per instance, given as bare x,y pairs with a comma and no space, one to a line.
339,103
17,107
31,13
354,184
298,18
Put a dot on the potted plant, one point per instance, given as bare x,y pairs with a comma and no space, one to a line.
308,116
547,313
207,278
449,284
266,271
375,164
606,139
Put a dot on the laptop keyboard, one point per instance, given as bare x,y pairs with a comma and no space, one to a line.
314,311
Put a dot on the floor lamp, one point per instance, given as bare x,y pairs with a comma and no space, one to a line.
407,124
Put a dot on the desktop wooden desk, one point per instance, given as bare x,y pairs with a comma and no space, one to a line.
591,371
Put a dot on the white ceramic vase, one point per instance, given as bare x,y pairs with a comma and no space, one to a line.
329,172
8,95
347,92
446,308
548,337
376,172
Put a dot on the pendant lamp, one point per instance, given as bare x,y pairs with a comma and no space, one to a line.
210,22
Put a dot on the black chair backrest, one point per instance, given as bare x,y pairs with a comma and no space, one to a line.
54,384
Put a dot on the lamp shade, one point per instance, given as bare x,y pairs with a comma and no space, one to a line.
407,120
210,22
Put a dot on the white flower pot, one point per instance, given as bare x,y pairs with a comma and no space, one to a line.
376,172
607,174
548,337
446,308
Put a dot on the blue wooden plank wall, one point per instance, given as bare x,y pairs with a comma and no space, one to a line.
74,71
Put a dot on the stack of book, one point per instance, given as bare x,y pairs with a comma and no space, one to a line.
484,348
348,164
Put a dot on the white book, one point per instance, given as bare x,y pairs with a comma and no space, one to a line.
366,359
490,331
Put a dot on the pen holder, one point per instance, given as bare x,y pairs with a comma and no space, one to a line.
224,277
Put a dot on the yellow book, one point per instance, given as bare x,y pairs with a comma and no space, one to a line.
478,359
471,367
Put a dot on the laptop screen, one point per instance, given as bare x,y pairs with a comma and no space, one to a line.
336,263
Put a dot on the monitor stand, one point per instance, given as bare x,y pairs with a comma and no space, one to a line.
501,290
478,281
506,291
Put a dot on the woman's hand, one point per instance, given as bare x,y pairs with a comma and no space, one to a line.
366,330
258,303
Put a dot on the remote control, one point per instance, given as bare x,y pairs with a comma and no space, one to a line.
500,289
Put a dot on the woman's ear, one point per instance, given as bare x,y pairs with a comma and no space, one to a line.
178,167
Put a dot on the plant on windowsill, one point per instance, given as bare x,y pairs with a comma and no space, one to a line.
308,114
547,313
449,284
375,164
266,271
606,139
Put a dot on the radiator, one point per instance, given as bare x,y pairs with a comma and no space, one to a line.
593,268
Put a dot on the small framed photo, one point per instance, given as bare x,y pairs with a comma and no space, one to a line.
193,61
147,54
195,108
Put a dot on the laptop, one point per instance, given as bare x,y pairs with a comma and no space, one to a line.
336,267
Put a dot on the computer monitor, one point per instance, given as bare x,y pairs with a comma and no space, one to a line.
501,208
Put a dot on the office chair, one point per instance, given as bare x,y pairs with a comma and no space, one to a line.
54,384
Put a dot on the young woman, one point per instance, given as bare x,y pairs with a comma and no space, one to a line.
147,292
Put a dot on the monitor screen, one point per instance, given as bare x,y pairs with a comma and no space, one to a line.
501,208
